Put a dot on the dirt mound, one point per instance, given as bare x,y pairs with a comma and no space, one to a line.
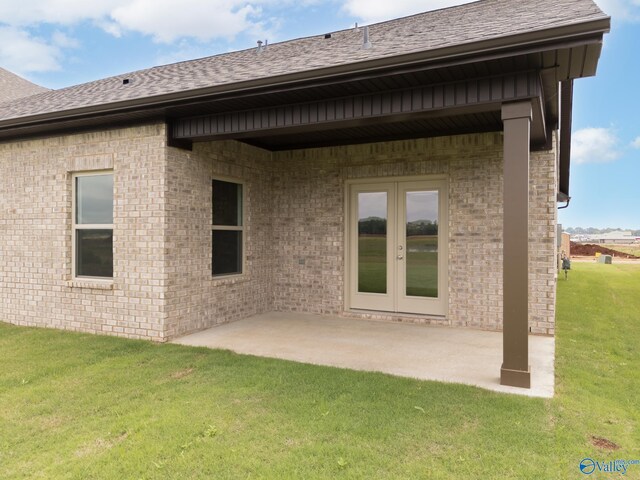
589,250
603,443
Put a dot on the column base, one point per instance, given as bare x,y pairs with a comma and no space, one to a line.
516,378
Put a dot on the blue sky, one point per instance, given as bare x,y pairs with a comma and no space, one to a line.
57,43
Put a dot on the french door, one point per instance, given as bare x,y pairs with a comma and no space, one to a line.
398,246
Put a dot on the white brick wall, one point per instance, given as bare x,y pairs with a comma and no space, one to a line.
309,184
36,286
294,227
195,300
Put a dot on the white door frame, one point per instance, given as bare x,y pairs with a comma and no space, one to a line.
400,303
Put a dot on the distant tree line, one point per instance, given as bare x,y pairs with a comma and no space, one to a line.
372,226
595,231
378,226
422,227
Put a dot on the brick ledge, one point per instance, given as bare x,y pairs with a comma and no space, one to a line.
90,284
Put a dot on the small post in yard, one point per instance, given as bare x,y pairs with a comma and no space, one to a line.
566,265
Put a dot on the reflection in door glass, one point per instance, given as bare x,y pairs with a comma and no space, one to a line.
422,244
372,242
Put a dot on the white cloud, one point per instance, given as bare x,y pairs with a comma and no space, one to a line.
200,19
109,26
594,145
20,52
163,20
377,10
59,12
623,10
636,143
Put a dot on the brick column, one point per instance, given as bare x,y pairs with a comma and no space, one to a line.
515,369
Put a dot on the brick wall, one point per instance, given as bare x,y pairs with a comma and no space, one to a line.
309,224
294,230
36,286
195,300
543,220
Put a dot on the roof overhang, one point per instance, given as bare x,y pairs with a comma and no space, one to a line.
564,154
295,125
560,53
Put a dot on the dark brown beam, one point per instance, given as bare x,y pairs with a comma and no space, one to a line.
566,110
301,142
181,143
539,124
349,124
471,96
515,369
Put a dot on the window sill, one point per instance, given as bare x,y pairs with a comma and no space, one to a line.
92,284
229,280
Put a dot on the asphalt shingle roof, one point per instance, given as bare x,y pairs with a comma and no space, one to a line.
473,22
13,87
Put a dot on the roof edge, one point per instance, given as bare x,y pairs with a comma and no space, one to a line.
508,44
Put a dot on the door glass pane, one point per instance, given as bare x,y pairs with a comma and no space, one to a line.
372,242
422,244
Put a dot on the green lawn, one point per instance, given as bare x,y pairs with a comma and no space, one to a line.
598,362
84,407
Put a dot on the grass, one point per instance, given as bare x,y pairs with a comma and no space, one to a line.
76,406
628,249
421,261
598,361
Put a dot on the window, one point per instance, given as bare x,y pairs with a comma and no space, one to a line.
227,228
93,225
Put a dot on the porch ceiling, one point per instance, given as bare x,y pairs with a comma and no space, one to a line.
451,107
427,127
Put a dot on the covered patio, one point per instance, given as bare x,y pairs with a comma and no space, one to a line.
411,167
471,88
458,355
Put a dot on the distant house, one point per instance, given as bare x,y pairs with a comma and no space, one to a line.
171,199
615,237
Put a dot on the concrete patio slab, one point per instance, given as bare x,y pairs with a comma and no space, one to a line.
445,354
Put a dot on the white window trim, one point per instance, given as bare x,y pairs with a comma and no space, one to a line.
85,226
238,228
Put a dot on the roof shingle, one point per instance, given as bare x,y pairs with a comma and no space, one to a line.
472,22
13,87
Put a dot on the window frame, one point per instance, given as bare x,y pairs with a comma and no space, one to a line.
86,226
231,228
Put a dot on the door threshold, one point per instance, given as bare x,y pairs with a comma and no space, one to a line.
397,317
